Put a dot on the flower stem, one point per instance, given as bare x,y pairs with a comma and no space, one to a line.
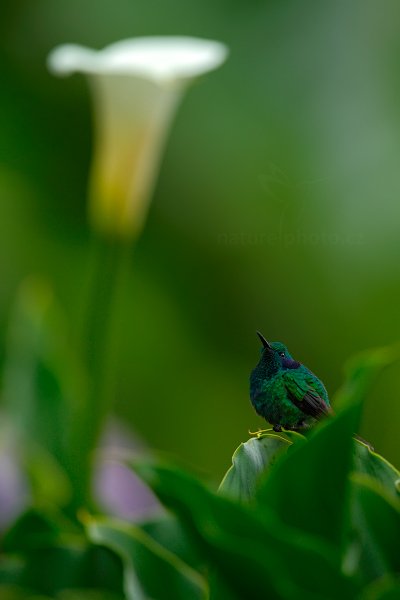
108,263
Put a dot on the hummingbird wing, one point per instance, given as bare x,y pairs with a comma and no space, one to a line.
301,391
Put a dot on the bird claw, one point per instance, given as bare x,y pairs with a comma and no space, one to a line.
259,432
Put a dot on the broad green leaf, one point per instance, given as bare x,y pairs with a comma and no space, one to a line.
37,528
250,460
12,592
392,593
8,592
370,463
373,530
151,571
48,481
385,588
51,570
88,594
307,488
248,547
46,571
44,388
361,371
11,568
220,589
168,531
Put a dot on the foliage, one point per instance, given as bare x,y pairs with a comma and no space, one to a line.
299,516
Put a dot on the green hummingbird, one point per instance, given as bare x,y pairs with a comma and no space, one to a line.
284,391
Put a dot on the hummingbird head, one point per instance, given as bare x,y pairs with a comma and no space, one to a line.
276,353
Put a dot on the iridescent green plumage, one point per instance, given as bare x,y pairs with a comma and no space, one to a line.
284,391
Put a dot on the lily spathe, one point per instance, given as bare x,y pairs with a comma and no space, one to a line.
137,85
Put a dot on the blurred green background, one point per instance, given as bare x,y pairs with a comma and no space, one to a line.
277,206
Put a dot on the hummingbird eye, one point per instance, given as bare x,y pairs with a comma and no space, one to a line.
282,354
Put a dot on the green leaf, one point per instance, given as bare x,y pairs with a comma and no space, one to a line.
220,589
11,568
374,530
44,390
12,592
49,482
361,371
88,594
37,528
168,531
150,569
50,570
386,588
307,488
249,462
250,550
370,463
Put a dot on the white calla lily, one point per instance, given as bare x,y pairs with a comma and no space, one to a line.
137,85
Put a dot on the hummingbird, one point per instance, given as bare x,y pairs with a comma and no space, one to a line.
285,392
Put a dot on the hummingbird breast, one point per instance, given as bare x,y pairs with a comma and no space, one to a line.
270,400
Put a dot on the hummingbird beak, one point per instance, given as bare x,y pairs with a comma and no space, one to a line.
264,341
